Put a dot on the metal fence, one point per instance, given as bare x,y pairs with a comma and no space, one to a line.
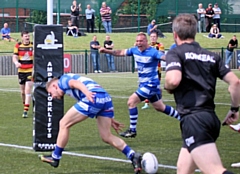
80,63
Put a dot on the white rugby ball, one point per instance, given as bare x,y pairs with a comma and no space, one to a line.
149,163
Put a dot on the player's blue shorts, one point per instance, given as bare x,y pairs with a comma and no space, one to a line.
150,92
102,106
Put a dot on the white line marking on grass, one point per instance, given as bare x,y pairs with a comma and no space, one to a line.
87,156
113,96
126,97
10,89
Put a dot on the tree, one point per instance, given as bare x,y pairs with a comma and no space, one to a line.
38,17
147,7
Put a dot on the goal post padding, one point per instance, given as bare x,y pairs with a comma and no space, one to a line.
48,63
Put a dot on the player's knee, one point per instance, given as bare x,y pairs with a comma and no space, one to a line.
64,125
105,138
160,106
227,172
131,103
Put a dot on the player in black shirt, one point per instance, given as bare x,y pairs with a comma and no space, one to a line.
191,75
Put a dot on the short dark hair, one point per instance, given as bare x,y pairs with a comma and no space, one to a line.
24,32
154,32
185,25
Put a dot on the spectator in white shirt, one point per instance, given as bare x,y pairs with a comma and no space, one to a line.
90,18
216,17
201,18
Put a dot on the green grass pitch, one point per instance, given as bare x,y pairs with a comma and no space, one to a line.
157,133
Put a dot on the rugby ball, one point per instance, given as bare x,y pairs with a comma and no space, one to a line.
149,163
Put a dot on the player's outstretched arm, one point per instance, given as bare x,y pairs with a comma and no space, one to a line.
234,86
113,52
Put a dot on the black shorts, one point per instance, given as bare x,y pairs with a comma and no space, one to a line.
24,77
199,128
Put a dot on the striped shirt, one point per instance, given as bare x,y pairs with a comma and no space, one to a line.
25,56
91,85
107,16
147,63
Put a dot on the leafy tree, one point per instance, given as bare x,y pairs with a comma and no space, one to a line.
38,17
147,7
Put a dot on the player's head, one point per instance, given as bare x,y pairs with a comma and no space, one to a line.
184,27
200,5
153,37
141,41
53,88
25,37
88,6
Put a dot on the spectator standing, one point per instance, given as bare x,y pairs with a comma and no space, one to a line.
6,31
152,27
90,17
71,29
108,44
233,43
216,17
201,18
105,12
94,46
214,32
75,10
209,17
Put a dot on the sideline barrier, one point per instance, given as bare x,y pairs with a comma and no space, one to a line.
82,63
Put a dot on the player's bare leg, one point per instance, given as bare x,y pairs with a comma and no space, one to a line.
69,119
28,98
104,127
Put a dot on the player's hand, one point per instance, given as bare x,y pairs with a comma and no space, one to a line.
18,65
90,96
117,126
230,118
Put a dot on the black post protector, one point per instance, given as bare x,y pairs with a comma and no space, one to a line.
48,63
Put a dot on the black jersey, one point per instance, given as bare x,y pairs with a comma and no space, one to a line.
200,69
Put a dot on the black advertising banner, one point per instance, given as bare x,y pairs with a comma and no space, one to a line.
238,58
48,63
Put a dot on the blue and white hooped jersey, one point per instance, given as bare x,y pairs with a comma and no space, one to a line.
91,85
147,63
